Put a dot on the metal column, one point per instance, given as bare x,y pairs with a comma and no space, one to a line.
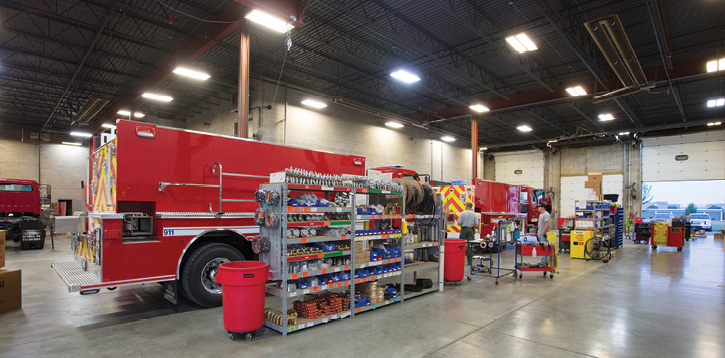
243,91
474,146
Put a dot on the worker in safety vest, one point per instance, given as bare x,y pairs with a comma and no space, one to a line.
468,221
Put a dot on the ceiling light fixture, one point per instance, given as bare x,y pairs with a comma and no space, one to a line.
81,134
484,148
128,114
405,76
716,102
714,124
314,103
157,97
606,117
524,128
576,91
479,108
623,133
269,21
716,65
521,43
197,75
71,143
448,138
393,124
108,125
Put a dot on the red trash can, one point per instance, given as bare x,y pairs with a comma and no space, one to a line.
455,259
243,295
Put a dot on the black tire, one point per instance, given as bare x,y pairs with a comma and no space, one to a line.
679,249
191,276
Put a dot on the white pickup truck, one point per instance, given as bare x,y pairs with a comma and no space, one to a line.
700,221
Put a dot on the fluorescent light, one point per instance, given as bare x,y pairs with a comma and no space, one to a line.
716,65
71,143
405,76
623,133
393,124
314,104
716,102
712,66
714,124
108,125
479,108
448,138
269,21
524,128
606,117
128,114
81,134
484,148
197,75
576,91
157,97
521,43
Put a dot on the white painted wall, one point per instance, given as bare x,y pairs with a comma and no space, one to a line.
572,189
705,153
531,163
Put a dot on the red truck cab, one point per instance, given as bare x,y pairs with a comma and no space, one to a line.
19,197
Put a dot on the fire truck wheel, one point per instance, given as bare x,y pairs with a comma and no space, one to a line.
198,277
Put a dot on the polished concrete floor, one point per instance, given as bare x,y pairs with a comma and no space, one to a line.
642,304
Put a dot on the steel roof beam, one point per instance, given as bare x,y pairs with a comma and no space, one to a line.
659,26
565,33
29,10
529,68
314,29
476,76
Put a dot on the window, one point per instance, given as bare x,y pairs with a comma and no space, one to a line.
700,216
25,188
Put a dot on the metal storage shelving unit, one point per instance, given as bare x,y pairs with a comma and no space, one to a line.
274,243
431,233
602,222
278,255
370,196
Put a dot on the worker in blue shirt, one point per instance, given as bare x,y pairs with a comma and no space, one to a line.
468,221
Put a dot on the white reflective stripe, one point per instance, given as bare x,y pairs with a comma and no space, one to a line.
195,231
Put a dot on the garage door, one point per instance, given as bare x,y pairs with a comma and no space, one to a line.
687,157
519,168
572,189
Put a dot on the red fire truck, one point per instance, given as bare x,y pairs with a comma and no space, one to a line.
530,199
169,206
20,212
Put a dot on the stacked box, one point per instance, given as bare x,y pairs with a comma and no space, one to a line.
717,236
371,290
307,309
362,257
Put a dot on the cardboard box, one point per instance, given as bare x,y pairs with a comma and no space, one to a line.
362,257
358,246
718,236
594,182
10,290
2,248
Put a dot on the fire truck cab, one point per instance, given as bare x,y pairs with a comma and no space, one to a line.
169,206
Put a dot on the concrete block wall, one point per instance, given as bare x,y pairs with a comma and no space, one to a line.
340,129
61,166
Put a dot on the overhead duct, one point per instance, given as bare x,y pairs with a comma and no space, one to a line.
89,110
608,33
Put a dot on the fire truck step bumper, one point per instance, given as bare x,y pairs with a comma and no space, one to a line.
74,276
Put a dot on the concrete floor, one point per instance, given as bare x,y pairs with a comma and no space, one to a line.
642,304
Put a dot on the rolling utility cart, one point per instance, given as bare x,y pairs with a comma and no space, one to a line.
667,235
546,251
642,233
502,235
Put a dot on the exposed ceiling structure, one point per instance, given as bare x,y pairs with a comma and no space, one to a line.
57,56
